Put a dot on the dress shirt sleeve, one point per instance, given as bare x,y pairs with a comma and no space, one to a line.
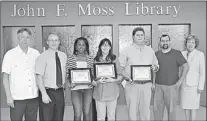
155,61
118,67
7,64
201,72
123,59
40,65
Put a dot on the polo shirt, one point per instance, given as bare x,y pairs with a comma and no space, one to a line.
21,69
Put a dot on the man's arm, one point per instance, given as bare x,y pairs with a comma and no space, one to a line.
41,86
6,71
155,68
123,62
40,67
185,68
6,84
182,62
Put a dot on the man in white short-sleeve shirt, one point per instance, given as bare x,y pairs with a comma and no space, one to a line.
18,69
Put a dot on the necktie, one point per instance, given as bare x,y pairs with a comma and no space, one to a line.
58,71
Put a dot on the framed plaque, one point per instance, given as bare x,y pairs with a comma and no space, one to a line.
141,72
80,76
105,70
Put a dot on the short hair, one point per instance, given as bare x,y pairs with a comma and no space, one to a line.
137,29
190,37
164,35
53,33
24,29
75,51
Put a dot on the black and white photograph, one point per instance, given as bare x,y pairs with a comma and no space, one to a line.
105,60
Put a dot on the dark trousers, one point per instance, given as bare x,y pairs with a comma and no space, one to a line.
94,112
53,111
82,100
28,107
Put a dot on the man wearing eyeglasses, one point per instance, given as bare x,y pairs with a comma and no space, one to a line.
167,79
19,78
50,69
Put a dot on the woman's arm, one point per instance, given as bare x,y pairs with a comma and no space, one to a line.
201,72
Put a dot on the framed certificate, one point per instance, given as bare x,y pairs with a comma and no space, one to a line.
105,70
141,72
80,75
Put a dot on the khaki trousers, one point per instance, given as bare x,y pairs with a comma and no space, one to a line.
138,97
165,96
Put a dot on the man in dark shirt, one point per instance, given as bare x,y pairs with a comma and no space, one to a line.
167,79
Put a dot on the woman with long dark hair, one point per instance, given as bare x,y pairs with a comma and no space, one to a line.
106,90
81,95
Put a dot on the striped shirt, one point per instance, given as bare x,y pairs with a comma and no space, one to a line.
72,63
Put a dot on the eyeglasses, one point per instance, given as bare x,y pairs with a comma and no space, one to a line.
165,41
53,40
23,37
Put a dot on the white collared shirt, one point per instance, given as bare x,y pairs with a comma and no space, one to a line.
46,67
21,69
196,74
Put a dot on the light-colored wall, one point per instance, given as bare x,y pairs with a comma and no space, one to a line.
190,12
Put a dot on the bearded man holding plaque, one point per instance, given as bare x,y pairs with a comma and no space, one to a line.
138,62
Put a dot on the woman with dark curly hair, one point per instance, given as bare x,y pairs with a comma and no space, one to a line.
81,95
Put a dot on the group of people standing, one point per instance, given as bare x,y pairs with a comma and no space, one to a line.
25,71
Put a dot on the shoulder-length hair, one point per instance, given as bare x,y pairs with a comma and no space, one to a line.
110,57
75,51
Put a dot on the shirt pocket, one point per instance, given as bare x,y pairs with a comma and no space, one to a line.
17,66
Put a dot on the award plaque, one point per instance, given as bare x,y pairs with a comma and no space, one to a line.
141,72
80,76
105,70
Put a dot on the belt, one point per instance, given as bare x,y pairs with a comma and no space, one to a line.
142,82
54,89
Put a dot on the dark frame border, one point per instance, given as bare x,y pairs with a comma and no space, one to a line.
132,66
96,64
81,69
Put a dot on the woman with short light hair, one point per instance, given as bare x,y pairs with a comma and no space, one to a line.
193,84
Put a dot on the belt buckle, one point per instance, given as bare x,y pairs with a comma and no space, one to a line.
56,88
